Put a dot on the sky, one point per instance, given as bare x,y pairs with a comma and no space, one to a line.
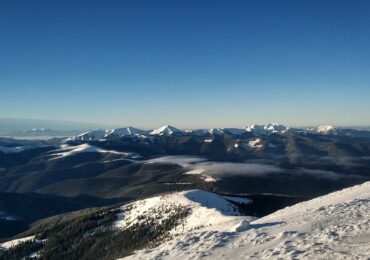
191,64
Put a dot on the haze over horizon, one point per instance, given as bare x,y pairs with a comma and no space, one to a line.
13,125
190,64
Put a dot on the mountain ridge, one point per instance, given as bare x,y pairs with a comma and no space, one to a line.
264,130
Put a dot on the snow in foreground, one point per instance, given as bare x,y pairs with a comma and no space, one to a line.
335,226
209,211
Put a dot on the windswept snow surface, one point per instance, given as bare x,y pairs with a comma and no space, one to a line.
335,226
67,150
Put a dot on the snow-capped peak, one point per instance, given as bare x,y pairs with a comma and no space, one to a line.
125,131
68,150
89,136
104,134
326,129
166,130
267,129
216,131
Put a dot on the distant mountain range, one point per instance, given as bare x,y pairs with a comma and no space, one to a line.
214,157
18,125
40,133
272,165
263,130
43,129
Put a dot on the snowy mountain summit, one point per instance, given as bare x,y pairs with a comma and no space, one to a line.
325,130
256,130
267,129
166,130
88,136
335,226
124,132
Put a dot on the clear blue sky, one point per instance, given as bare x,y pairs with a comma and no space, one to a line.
186,63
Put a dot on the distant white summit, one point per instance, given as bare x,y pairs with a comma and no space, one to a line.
267,129
257,130
216,131
125,131
166,130
88,136
325,130
109,133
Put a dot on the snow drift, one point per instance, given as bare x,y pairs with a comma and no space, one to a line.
335,226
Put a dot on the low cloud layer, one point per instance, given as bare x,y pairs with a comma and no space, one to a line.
184,161
319,173
200,165
227,168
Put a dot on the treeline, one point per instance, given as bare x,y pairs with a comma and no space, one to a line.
22,251
90,235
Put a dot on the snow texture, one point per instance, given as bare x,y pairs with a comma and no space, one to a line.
335,226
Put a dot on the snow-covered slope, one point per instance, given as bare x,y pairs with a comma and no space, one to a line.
209,211
252,144
335,226
166,130
124,131
68,150
108,133
216,131
325,130
88,136
255,144
221,131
